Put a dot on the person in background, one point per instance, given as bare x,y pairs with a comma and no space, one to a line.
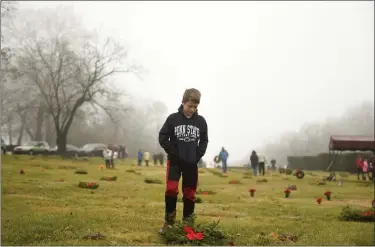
155,158
372,168
3,147
224,158
114,157
365,169
262,164
107,154
254,160
161,159
146,157
140,157
113,151
273,164
359,164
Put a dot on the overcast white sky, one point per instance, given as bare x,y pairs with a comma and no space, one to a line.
263,67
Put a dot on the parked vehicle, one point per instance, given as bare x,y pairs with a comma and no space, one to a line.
71,150
32,148
3,147
92,149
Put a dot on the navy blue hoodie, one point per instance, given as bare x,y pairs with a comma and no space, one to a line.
184,139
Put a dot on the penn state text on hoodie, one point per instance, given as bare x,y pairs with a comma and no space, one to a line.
184,139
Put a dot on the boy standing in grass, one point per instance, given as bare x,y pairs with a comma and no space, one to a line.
184,138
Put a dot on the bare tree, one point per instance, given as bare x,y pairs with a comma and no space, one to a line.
68,67
10,94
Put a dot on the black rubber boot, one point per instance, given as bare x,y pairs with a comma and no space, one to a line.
189,207
170,212
170,219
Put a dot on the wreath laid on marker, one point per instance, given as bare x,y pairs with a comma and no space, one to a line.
114,178
217,159
234,182
197,199
88,185
81,172
353,214
184,233
300,174
205,192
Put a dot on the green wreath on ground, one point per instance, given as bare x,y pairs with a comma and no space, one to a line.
300,174
114,178
88,185
184,233
217,159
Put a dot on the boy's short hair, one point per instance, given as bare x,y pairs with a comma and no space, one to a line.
192,95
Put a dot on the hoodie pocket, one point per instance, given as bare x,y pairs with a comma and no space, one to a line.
187,152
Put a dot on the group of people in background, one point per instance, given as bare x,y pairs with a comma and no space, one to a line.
258,163
365,167
110,155
145,157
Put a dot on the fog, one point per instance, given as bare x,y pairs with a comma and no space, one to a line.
267,71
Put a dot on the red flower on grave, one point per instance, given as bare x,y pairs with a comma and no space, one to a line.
319,200
234,182
252,190
204,193
369,213
287,191
327,193
90,184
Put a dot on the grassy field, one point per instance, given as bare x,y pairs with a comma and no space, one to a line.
45,206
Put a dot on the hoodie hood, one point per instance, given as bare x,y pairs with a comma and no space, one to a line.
181,111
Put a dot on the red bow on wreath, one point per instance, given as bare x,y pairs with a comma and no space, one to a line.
191,235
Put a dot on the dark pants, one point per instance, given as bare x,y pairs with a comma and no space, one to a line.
225,167
255,169
139,162
146,162
365,175
261,168
359,172
189,187
107,163
112,163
